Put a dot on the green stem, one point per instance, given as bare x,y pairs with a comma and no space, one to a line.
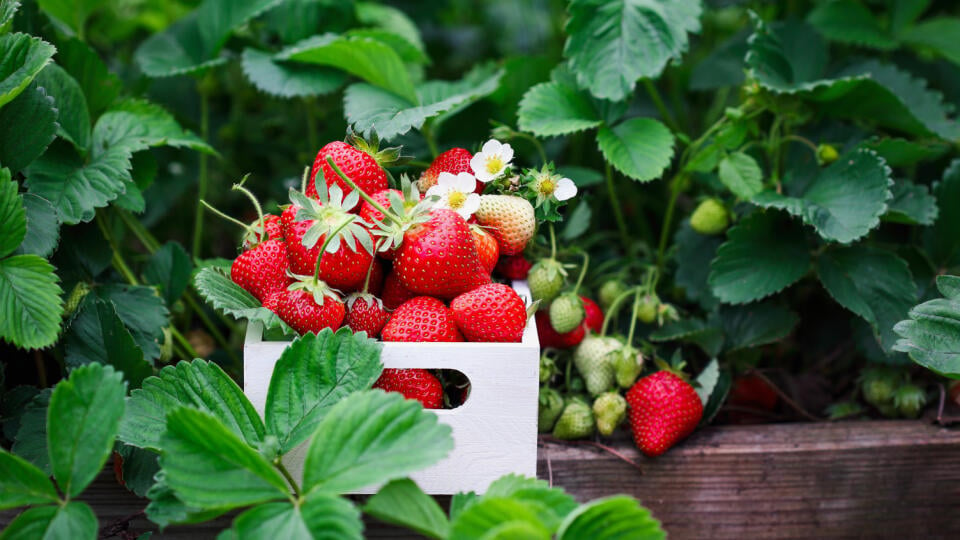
536,144
583,271
117,259
202,187
617,212
178,337
286,474
231,219
363,195
668,220
633,318
661,107
326,242
256,204
773,148
553,241
615,307
800,139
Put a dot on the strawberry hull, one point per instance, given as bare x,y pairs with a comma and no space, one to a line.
495,430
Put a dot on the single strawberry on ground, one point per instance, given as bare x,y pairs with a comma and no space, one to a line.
423,318
664,409
418,384
493,312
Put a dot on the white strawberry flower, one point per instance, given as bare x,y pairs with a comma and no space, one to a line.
490,162
561,189
456,192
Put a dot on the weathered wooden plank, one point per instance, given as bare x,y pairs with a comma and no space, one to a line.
878,479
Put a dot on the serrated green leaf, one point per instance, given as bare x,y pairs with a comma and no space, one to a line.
99,85
28,125
166,509
578,222
693,255
82,421
552,505
169,268
296,20
30,441
97,335
931,335
755,325
13,217
229,298
208,466
312,375
846,21
30,302
22,57
22,484
139,467
369,108
74,519
389,18
401,502
409,52
192,44
901,152
289,79
372,437
612,43
553,108
198,384
844,202
937,35
905,12
43,227
911,204
137,125
707,337
942,241
786,58
875,284
741,174
369,59
140,309
640,148
319,516
707,380
30,525
73,13
7,10
13,403
72,114
486,514
142,175
723,66
764,254
609,518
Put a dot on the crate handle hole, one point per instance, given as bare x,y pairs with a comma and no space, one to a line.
455,384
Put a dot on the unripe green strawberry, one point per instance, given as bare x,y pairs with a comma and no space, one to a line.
566,313
710,217
166,348
610,409
77,295
548,368
627,365
546,280
576,421
647,310
593,359
878,385
844,409
909,400
826,154
550,407
610,291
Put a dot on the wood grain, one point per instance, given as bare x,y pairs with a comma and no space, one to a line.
877,479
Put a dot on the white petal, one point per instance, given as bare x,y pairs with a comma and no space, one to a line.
565,189
506,153
465,183
437,190
477,163
491,147
447,180
484,176
471,205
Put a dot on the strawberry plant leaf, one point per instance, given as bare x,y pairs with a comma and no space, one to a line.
707,380
140,309
97,335
139,468
764,254
72,13
82,420
198,384
100,86
942,241
30,442
693,256
13,216
844,202
31,524
640,148
169,268
557,504
911,204
8,8
901,152
483,517
73,118
846,21
30,302
318,516
22,57
137,125
166,509
706,336
22,484
311,376
741,174
371,437
931,335
556,108
903,13
401,502
875,284
609,518
209,467
785,57
613,43
723,66
577,222
43,227
193,43
216,287
937,35
289,79
389,18
75,519
409,52
369,108
28,125
755,325
369,59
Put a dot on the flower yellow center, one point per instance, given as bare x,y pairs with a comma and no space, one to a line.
494,165
456,199
547,186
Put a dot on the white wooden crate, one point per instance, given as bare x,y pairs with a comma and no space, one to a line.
494,431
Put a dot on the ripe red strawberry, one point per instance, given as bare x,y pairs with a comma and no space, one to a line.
271,226
375,286
365,313
416,384
510,219
752,392
664,409
344,269
514,267
493,312
262,270
273,299
370,214
394,293
487,248
550,338
310,307
421,319
594,315
439,257
453,161
357,164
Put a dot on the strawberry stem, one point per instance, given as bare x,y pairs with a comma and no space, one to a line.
256,204
553,241
633,318
366,280
226,217
306,178
363,194
326,242
615,307
583,270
